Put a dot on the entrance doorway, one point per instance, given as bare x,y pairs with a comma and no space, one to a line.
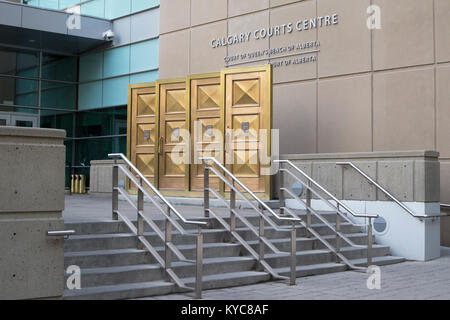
174,122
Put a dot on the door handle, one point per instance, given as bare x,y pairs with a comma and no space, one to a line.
161,145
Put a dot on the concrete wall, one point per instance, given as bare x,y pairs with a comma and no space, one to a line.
101,177
411,176
31,203
370,90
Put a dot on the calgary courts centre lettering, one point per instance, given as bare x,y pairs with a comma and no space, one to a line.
310,47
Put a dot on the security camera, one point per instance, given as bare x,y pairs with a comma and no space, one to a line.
108,35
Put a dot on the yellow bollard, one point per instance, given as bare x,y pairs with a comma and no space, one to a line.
72,183
77,185
82,184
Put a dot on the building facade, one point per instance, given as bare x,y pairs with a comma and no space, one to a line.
349,75
80,89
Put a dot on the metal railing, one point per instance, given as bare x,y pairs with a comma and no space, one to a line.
387,193
337,208
143,187
234,184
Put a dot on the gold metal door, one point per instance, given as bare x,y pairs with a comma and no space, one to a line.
173,123
143,130
206,125
248,98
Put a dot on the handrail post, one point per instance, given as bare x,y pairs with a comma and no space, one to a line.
261,242
308,211
293,255
281,195
369,243
206,190
199,267
232,215
115,192
167,241
338,238
140,210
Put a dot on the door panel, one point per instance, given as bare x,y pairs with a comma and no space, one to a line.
173,110
246,113
144,131
206,127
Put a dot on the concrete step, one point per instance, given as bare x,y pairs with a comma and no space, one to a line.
110,226
103,268
310,257
324,268
153,288
88,242
120,291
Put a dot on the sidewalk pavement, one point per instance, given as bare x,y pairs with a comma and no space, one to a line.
404,281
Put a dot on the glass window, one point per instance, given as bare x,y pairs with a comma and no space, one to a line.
138,5
58,95
18,91
102,122
144,77
90,95
95,8
63,68
115,91
144,56
19,63
116,62
91,66
57,120
98,149
117,8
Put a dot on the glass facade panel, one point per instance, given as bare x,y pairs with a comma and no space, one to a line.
60,68
19,63
115,91
58,95
91,66
57,120
90,95
117,8
117,62
144,77
144,56
138,5
15,91
102,122
94,8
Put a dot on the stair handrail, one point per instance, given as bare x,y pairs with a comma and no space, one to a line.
262,217
387,193
155,190
169,247
343,205
309,209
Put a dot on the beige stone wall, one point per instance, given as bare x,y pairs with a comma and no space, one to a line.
410,176
101,177
370,90
31,203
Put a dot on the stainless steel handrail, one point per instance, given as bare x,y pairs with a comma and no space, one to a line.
385,191
357,215
61,233
309,209
247,190
262,218
169,246
153,188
